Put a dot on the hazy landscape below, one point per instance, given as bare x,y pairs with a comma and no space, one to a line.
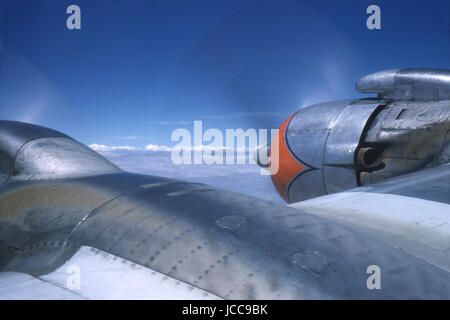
242,178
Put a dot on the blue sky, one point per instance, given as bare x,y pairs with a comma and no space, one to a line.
139,69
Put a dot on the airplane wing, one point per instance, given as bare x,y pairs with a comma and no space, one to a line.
155,238
411,212
122,235
74,226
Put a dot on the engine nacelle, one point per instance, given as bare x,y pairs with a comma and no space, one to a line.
335,146
31,152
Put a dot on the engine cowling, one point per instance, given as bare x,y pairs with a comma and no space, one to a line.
335,146
317,147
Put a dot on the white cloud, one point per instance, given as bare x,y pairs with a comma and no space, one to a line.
149,147
156,148
153,147
102,147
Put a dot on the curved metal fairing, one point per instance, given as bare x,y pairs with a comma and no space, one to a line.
30,152
408,84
